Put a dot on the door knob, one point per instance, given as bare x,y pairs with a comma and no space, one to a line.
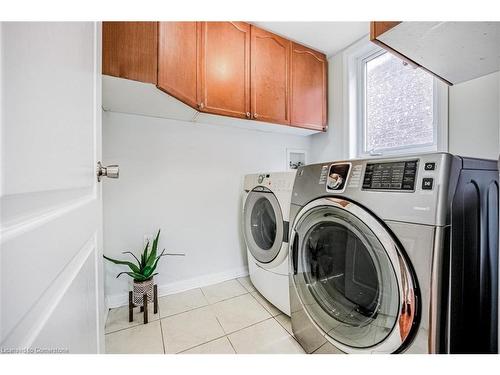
255,115
111,171
248,115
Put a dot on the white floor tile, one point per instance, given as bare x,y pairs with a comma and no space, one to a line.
181,302
189,329
219,346
285,322
271,309
142,339
225,290
247,283
196,321
118,318
265,337
239,312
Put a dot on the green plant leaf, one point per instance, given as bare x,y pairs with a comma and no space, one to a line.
149,274
134,275
144,255
155,242
132,266
148,270
152,255
131,253
155,264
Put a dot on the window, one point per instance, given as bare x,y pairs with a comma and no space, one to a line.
398,108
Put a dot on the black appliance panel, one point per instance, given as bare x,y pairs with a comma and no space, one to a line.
399,175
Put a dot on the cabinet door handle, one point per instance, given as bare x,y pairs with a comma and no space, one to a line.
200,106
248,115
255,115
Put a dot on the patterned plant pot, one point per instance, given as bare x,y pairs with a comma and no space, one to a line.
140,288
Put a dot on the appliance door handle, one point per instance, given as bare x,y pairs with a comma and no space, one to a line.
295,252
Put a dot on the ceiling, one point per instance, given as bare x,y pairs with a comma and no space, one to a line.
327,37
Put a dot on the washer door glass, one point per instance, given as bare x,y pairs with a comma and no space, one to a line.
263,225
346,278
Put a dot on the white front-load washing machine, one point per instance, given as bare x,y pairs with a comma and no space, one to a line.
395,255
266,211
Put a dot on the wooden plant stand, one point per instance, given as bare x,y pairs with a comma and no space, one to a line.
144,307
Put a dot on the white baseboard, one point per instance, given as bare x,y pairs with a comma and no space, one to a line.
117,300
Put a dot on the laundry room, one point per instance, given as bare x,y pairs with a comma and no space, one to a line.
217,186
234,185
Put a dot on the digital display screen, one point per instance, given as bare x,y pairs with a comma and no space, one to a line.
399,175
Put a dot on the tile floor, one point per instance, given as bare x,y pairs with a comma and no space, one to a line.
226,318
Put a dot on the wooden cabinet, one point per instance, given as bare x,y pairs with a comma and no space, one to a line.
130,50
270,77
308,91
179,47
225,68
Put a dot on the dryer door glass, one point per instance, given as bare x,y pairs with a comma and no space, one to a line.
347,279
263,225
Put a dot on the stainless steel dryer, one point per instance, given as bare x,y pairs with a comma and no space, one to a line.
395,255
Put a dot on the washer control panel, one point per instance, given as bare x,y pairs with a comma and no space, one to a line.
400,175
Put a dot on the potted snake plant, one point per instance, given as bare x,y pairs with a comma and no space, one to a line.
143,272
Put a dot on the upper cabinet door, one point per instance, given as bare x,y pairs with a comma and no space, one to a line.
178,60
270,77
225,68
308,88
130,50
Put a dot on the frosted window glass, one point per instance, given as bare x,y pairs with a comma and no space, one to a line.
399,105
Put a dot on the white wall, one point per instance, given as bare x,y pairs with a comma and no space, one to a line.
186,179
474,117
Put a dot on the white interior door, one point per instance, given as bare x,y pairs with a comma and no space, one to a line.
51,292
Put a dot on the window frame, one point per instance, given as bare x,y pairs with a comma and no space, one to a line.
356,61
